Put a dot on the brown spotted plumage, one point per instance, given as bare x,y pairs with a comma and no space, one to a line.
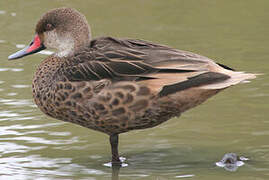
117,85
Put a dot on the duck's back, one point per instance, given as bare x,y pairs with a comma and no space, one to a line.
153,64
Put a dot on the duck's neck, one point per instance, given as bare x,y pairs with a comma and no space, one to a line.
66,47
69,48
68,43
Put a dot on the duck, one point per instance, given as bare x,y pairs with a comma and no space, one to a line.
115,85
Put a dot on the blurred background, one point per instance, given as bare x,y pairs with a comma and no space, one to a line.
234,33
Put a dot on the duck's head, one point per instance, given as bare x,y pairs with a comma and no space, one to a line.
63,29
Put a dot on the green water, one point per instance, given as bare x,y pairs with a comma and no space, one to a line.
235,32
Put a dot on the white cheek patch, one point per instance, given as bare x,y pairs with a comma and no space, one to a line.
64,44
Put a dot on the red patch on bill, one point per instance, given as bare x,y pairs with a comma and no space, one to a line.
35,45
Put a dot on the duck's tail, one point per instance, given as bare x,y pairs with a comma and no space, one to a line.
235,78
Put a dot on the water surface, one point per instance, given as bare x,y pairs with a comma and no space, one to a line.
34,146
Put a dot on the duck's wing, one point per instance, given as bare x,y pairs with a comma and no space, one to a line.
162,68
154,55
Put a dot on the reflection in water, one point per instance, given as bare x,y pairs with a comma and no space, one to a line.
115,172
116,168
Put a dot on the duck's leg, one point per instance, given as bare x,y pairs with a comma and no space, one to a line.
114,149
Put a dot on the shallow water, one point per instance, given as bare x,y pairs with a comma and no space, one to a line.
33,146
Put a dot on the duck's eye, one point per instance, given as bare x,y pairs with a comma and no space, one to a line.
49,27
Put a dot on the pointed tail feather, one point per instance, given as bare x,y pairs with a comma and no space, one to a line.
235,78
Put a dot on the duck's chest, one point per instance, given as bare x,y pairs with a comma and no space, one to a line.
47,84
62,99
68,101
44,85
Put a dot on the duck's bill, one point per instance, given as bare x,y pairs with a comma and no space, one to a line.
34,47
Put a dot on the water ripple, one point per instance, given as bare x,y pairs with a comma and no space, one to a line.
17,102
8,147
33,166
2,12
39,140
185,176
11,69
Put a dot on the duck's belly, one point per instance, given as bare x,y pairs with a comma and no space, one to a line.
171,106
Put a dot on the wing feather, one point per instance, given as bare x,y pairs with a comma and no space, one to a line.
137,60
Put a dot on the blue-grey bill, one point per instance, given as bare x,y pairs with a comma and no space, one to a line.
35,46
18,54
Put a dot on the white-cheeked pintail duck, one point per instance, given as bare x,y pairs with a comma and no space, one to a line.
116,85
